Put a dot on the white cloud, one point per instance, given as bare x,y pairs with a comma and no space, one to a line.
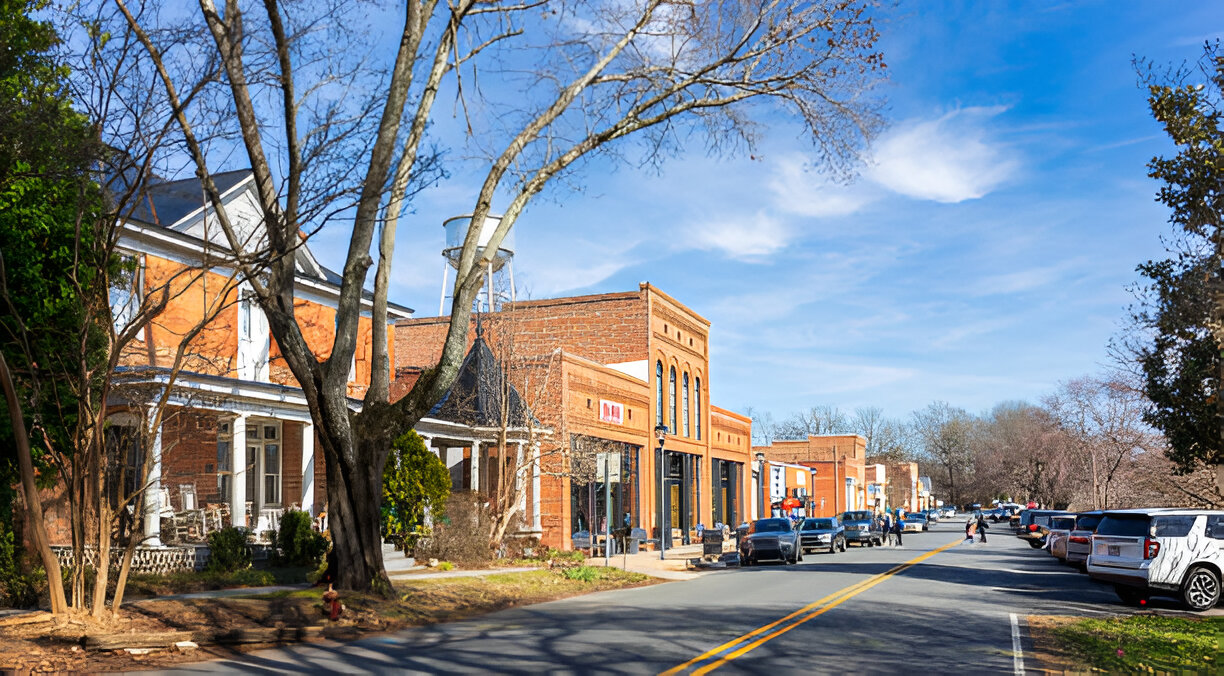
804,192
747,238
950,159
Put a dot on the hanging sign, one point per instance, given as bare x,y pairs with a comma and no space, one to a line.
611,412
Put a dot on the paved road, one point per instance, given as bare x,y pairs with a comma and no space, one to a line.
948,611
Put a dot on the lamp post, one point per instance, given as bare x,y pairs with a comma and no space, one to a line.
761,501
661,435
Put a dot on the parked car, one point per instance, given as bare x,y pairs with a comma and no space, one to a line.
826,533
770,539
1060,531
947,512
1035,526
1150,551
914,522
932,515
1079,540
862,528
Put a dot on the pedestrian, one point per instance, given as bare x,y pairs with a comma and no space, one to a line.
897,528
970,528
981,527
886,523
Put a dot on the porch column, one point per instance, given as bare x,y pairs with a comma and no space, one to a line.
238,463
308,468
152,498
519,478
475,466
535,488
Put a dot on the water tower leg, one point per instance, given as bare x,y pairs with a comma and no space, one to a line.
510,269
442,299
489,277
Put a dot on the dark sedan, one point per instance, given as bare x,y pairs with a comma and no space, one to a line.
770,539
822,534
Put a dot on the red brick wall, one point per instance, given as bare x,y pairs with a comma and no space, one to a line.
189,454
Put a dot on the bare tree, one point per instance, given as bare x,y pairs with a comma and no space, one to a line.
764,429
945,434
649,69
1105,419
824,419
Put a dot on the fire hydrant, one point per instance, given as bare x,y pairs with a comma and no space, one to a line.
332,597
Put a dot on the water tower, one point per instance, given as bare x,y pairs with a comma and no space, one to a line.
499,275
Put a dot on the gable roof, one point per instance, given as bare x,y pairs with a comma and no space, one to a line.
476,396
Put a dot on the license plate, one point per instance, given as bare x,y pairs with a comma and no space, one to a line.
1115,550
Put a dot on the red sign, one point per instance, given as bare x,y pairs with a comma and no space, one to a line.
611,412
791,503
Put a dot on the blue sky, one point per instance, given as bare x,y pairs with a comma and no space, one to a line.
982,254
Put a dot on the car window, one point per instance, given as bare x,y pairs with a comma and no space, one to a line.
817,524
1124,525
1062,523
856,516
1172,526
771,526
1087,522
1215,526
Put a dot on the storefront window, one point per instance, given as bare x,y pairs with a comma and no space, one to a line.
589,509
726,487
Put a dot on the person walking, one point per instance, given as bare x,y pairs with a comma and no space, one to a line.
897,528
886,522
981,528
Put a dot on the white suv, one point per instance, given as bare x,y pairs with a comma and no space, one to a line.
1150,551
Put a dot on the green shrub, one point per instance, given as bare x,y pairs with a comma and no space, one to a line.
446,565
414,479
228,550
584,573
297,543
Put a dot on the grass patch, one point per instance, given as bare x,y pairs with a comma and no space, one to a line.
188,582
1139,643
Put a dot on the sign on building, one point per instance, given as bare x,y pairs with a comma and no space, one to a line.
611,412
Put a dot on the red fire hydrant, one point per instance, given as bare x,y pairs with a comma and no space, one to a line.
332,597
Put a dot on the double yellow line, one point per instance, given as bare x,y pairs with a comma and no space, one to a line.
738,647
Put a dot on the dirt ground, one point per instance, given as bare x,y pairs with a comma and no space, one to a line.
1048,656
57,644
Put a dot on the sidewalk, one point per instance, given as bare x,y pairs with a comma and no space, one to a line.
674,566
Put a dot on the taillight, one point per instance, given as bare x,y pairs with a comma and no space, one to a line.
1079,539
1150,548
1033,528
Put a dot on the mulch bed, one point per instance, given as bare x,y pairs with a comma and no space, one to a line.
230,626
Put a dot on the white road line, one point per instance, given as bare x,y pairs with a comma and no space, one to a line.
1040,572
1017,651
1019,591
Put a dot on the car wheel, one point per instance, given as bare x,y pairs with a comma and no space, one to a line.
833,546
843,544
1130,596
1035,544
1201,590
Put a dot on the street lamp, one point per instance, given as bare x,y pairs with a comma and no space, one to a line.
760,458
661,435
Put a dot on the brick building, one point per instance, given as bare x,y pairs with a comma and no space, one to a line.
236,443
838,461
600,372
901,489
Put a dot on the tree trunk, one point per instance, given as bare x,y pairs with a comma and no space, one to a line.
33,503
354,495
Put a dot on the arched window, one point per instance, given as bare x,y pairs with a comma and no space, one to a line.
685,397
672,403
697,395
658,393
